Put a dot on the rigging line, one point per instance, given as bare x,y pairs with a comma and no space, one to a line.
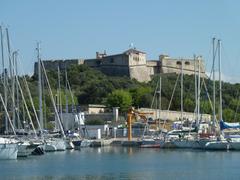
10,92
52,99
9,119
25,104
235,115
154,95
71,93
32,104
30,96
70,90
24,101
173,93
214,57
208,56
205,86
169,105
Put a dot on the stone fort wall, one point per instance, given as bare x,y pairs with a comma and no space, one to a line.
132,63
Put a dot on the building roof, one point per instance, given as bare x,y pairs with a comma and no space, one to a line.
133,51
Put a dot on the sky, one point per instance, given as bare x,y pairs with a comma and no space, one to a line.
78,28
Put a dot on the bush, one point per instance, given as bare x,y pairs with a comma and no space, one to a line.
94,122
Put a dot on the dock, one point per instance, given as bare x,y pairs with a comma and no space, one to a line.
115,142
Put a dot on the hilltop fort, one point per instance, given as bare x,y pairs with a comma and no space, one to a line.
131,63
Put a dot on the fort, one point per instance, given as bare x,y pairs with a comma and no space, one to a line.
133,64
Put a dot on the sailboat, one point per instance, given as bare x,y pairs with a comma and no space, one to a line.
28,144
51,143
221,143
8,146
187,138
150,140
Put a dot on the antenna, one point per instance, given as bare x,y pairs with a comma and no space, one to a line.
131,45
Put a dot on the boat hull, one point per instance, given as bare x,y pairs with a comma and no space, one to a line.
185,144
55,145
25,149
149,143
86,143
235,144
8,151
218,145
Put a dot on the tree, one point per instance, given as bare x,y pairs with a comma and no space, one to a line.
140,96
121,99
228,115
189,105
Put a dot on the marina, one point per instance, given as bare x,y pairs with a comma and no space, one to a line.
119,90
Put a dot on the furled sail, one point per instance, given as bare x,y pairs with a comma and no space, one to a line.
225,125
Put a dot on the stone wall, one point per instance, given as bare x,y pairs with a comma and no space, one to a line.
173,65
140,73
174,115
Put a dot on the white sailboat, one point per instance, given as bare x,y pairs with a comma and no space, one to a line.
58,144
8,146
187,139
220,143
55,144
26,148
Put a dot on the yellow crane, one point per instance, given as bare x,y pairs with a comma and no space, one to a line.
130,115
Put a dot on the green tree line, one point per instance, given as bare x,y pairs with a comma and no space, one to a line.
90,86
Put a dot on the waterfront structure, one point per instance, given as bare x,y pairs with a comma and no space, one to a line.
131,63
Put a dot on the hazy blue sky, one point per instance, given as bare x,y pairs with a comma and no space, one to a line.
77,29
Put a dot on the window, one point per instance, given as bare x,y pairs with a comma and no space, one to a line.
179,63
111,60
187,63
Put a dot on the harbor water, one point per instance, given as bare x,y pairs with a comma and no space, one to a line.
125,163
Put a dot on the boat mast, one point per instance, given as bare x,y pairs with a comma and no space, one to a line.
25,105
52,99
66,90
11,75
181,92
4,79
40,85
9,119
160,94
199,80
17,91
196,92
44,104
220,81
214,88
59,94
13,88
31,101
